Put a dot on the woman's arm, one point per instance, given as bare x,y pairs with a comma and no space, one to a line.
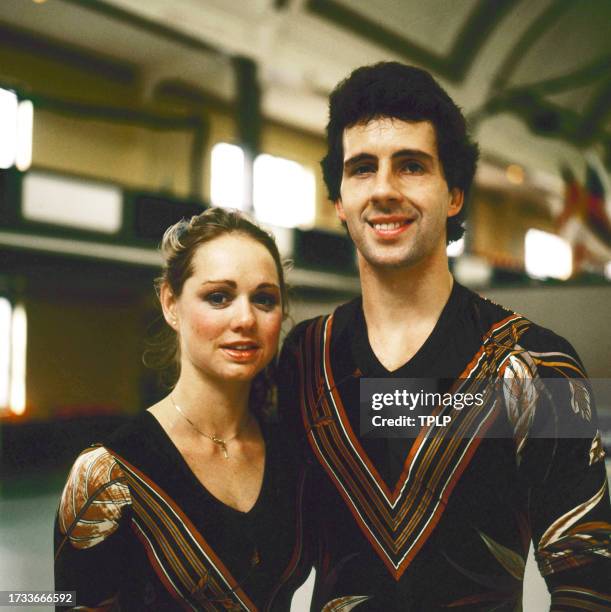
90,551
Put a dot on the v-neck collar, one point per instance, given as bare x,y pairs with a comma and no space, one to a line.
176,458
397,520
369,365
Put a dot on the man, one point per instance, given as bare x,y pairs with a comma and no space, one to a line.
441,520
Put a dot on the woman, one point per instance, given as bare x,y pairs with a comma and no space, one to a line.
197,503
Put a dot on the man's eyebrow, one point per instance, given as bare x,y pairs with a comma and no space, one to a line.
355,159
220,282
418,153
413,153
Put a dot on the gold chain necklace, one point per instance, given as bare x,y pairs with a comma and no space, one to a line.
220,442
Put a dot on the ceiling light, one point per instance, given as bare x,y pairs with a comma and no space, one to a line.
515,174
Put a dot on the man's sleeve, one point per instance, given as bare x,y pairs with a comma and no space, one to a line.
561,461
289,382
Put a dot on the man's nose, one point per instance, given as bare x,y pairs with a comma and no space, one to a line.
385,188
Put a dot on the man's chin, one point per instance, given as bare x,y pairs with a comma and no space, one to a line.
388,261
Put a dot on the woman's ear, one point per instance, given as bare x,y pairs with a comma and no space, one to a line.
168,305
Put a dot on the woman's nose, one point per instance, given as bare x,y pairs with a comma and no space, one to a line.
244,315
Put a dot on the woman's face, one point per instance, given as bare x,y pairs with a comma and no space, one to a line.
229,313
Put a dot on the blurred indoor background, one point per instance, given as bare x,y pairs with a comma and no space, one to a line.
119,117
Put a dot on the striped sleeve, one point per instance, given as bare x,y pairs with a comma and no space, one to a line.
568,597
93,499
568,496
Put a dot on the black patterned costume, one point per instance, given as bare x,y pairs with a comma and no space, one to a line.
444,521
136,528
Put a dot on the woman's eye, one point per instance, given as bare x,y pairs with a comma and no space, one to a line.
267,300
217,298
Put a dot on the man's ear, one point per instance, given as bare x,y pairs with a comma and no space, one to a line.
168,305
457,198
339,210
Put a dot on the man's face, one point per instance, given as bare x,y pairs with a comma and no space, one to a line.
394,196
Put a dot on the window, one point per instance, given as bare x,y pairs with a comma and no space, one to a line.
227,185
284,192
13,326
547,255
16,121
71,202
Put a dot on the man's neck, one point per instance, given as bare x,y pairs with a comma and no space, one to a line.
402,306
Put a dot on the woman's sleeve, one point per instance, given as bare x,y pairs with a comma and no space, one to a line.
90,530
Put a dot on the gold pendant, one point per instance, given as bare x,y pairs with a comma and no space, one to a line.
222,444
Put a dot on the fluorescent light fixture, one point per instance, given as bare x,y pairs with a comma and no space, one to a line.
608,270
25,123
284,192
72,202
5,351
227,180
547,255
456,248
19,341
8,128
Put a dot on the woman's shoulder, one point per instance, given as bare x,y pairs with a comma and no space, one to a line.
93,498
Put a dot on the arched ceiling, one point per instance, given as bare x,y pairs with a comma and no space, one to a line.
534,76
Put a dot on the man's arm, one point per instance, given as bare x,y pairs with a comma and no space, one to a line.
561,462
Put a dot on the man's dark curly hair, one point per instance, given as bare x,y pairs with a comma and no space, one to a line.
391,89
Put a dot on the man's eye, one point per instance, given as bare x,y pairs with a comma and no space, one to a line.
266,300
413,167
363,169
217,298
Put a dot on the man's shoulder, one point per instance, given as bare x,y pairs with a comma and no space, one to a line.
529,335
488,312
545,344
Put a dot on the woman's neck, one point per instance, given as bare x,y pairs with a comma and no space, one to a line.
219,408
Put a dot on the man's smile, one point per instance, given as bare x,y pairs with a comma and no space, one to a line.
389,226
